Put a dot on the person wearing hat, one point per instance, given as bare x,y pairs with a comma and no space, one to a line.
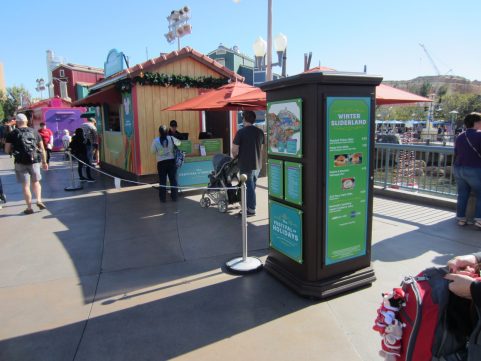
26,145
173,129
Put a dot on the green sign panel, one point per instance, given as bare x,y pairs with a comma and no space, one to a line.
293,182
275,178
285,225
284,128
195,171
185,146
347,177
128,114
212,146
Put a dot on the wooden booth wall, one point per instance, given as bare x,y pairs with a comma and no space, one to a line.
151,99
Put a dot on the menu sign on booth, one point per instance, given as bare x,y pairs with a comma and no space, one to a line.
293,182
347,177
275,178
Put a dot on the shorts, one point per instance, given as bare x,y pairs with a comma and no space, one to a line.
25,171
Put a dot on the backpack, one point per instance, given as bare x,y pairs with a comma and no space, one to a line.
415,323
179,155
25,148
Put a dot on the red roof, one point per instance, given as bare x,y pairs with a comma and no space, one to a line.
60,103
319,68
171,57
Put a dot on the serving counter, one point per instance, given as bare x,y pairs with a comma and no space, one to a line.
198,162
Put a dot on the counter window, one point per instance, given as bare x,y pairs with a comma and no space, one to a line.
113,119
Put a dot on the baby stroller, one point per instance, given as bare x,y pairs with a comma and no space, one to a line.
224,176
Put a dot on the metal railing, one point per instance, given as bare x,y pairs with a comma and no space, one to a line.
417,168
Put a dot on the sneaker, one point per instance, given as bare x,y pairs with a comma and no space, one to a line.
28,211
82,179
251,214
3,198
90,180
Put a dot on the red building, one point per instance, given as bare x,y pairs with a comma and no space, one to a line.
72,80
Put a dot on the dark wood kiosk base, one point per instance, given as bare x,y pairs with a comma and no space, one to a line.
320,142
323,288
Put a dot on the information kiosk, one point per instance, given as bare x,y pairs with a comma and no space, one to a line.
320,139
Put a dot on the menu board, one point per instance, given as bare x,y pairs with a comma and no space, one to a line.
185,146
347,177
284,128
212,146
275,178
285,225
293,182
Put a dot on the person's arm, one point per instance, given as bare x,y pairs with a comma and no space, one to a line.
43,155
153,147
175,141
235,146
235,150
8,148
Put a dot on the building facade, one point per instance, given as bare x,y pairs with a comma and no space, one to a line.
71,81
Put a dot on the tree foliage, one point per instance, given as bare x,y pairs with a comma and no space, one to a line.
13,99
2,97
462,103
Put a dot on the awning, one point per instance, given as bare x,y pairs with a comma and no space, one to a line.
108,95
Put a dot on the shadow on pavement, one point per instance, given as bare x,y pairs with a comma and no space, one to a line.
176,322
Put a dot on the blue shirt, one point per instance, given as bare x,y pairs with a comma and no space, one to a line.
465,155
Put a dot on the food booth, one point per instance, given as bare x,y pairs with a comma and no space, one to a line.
129,107
58,115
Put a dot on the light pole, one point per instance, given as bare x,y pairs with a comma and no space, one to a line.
261,47
40,86
280,47
178,25
454,119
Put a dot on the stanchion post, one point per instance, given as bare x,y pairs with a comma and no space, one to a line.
244,264
73,186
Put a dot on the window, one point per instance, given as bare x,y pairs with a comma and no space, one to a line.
113,118
61,73
221,61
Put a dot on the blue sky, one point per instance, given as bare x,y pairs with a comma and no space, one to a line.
343,34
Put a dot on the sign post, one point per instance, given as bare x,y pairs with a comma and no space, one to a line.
320,135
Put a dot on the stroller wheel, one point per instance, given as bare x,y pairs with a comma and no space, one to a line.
205,202
222,206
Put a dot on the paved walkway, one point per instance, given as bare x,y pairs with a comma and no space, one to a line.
106,274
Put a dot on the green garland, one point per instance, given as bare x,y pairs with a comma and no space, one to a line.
179,81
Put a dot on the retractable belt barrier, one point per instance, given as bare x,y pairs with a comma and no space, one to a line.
117,180
239,265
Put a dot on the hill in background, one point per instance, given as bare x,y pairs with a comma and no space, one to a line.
449,84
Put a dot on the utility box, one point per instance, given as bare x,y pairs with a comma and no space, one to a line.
320,146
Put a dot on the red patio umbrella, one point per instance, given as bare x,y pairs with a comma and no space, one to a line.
386,94
219,99
240,96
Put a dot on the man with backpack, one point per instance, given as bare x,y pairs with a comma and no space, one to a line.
26,146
